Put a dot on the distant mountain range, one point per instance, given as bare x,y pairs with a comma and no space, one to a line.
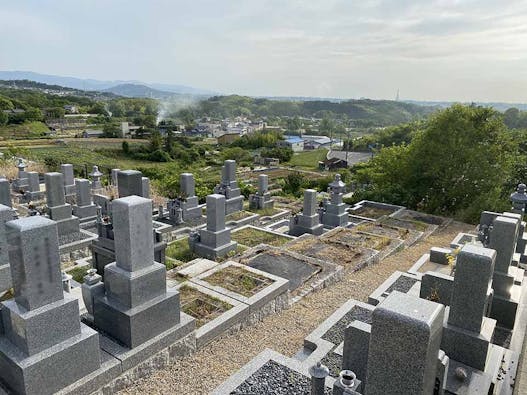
167,91
97,85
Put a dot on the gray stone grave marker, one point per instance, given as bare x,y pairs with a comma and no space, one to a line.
467,332
214,241
404,346
308,220
136,305
58,209
44,347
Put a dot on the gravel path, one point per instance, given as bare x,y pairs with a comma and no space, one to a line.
203,371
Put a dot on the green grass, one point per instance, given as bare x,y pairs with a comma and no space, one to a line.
238,280
78,273
238,215
25,130
266,212
308,159
252,237
180,250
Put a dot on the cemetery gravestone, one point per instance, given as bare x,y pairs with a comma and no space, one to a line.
215,240
43,347
334,212
502,238
136,305
5,193
6,214
262,199
405,337
130,182
308,220
84,207
69,179
467,332
228,187
58,209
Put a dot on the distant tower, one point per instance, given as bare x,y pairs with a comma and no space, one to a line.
397,96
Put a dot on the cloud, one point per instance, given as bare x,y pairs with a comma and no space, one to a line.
341,48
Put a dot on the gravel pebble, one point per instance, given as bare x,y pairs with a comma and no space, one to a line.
335,334
402,284
275,379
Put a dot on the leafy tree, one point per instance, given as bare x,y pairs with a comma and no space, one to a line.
156,141
455,166
188,117
3,118
283,154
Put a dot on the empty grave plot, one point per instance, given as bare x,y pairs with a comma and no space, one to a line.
180,251
277,379
350,238
284,265
422,217
384,230
251,237
238,215
202,307
332,252
406,224
372,212
238,280
335,334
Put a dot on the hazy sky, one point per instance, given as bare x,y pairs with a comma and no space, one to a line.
430,50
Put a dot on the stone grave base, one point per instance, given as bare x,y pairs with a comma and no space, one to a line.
267,370
121,366
214,253
398,281
233,204
305,274
62,363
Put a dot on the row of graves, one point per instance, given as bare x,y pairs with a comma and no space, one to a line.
152,284
453,324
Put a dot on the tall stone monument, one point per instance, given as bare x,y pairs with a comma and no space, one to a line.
214,241
519,199
185,207
404,346
43,345
467,332
69,179
228,187
262,199
136,305
130,182
33,187
5,192
308,220
84,208
6,214
58,209
503,237
333,212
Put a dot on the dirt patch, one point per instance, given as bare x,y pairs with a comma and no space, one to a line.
238,280
252,237
202,307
